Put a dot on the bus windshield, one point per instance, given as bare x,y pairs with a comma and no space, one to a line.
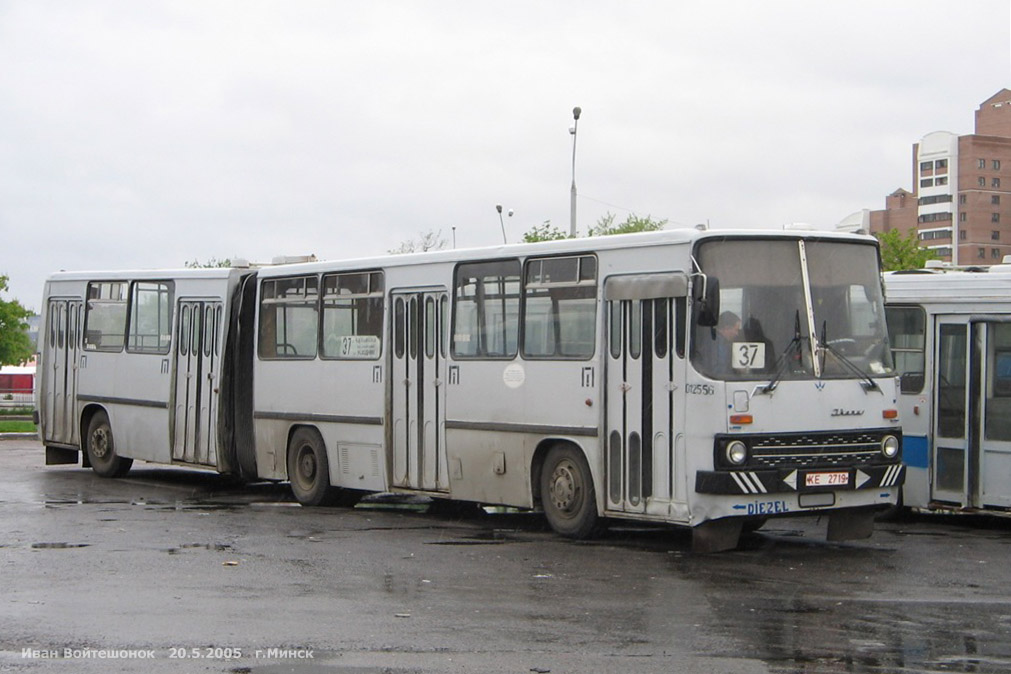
792,310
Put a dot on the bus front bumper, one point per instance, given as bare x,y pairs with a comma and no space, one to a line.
805,481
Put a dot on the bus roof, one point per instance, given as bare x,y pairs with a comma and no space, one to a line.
952,286
144,274
561,246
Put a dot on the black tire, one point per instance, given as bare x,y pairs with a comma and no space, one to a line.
567,494
101,448
309,469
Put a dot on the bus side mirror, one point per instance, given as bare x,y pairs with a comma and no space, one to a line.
707,294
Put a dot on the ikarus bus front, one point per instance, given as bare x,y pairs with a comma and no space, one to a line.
790,391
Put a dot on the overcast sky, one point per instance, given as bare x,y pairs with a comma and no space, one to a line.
145,134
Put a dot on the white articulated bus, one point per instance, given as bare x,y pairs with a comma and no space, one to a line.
951,342
705,379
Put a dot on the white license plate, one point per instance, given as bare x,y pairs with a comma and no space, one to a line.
832,479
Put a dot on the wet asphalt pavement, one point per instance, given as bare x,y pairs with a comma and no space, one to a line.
171,570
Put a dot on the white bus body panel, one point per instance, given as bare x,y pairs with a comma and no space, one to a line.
136,390
958,437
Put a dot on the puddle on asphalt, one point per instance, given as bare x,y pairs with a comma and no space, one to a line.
840,608
58,546
178,505
215,547
492,537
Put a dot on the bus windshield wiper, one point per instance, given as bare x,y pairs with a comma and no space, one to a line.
784,358
825,346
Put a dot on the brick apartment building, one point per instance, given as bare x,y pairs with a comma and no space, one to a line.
960,205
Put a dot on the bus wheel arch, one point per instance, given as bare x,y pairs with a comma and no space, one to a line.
564,485
308,467
86,414
99,444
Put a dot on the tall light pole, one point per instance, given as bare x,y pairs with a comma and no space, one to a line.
572,205
498,207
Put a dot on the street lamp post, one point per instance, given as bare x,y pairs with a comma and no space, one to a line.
572,205
498,207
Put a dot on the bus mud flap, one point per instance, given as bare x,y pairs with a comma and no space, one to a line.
56,456
717,535
850,524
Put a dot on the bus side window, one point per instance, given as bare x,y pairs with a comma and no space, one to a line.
486,311
680,325
150,317
399,328
560,307
105,317
353,316
184,330
289,318
907,334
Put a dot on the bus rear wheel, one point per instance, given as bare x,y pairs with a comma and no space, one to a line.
567,494
309,469
101,448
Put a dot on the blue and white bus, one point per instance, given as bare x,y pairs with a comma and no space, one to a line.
951,343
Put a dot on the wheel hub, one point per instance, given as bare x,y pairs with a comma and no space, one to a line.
564,487
307,465
100,443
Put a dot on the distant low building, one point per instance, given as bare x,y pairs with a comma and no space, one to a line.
960,205
17,384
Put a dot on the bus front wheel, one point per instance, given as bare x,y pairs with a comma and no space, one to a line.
567,494
101,449
309,469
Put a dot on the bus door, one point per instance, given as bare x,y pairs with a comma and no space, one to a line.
418,378
197,352
952,375
61,367
972,425
640,415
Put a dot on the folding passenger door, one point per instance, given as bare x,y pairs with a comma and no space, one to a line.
952,377
418,375
990,445
63,333
197,355
642,367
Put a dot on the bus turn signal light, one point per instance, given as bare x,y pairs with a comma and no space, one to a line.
740,419
890,414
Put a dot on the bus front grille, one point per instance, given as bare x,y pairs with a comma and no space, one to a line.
815,451
831,449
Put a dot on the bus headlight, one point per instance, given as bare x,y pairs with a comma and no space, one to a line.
736,453
890,446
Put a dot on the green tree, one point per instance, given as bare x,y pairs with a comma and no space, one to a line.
633,223
15,347
430,240
544,232
902,252
605,227
211,263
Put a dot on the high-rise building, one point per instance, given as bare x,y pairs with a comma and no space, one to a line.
960,205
